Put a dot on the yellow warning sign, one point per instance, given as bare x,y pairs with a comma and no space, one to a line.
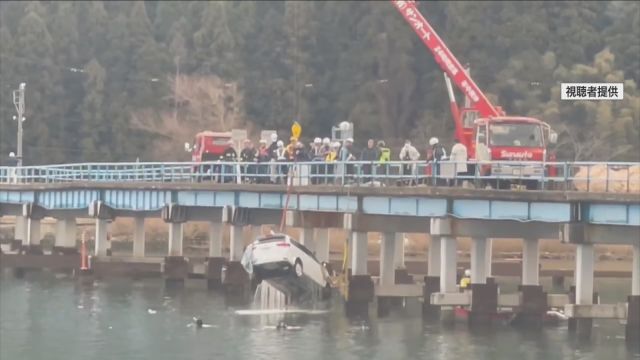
296,130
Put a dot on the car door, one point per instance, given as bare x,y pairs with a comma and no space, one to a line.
311,266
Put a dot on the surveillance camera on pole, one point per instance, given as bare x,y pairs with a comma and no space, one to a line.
18,101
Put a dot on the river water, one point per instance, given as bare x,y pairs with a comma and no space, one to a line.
45,316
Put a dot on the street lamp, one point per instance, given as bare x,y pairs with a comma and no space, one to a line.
18,102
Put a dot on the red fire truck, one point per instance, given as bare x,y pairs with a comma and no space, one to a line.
207,146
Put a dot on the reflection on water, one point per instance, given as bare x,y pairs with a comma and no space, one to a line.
44,317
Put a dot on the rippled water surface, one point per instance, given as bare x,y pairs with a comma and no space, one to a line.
51,317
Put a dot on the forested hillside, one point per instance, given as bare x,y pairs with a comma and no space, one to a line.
101,76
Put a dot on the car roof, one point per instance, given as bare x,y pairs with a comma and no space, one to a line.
273,236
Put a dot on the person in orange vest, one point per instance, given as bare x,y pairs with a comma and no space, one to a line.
291,149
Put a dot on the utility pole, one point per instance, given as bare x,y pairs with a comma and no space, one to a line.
18,101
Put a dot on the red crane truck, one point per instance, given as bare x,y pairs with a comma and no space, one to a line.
487,132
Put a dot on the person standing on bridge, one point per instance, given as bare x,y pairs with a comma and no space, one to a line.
315,154
228,156
459,160
324,151
438,154
248,155
281,157
346,155
409,153
263,159
371,154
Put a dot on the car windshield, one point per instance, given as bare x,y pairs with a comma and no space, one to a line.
521,134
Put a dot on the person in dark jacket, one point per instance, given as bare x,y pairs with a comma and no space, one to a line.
229,155
248,155
263,159
372,154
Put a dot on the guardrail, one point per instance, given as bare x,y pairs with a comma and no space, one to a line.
581,176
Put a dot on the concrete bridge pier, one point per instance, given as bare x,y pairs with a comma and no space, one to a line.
322,244
387,273
214,261
20,233
632,329
33,237
361,289
484,295
534,300
432,280
489,260
138,237
401,274
448,265
175,267
307,238
101,246
65,242
584,287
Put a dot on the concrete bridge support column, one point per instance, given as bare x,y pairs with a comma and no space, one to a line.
175,239
101,245
387,257
361,290
214,262
632,329
359,253
401,275
534,299
479,261
20,232
387,275
65,242
484,296
322,244
33,237
236,243
432,280
489,259
306,239
175,267
138,237
235,279
448,267
584,286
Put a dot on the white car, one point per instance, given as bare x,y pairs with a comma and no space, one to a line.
281,259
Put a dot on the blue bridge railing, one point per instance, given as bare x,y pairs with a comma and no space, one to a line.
580,176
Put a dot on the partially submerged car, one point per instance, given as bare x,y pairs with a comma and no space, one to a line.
285,263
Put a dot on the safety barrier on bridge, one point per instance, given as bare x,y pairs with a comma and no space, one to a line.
580,176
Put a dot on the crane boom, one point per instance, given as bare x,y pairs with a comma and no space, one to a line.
447,61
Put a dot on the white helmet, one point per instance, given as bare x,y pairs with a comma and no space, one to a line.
326,141
317,141
350,140
12,154
274,137
433,141
336,144
280,143
467,272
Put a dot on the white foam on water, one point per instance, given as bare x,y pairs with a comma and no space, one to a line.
279,311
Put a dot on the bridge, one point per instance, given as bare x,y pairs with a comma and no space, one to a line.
316,197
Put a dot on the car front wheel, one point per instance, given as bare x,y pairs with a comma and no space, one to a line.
297,269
